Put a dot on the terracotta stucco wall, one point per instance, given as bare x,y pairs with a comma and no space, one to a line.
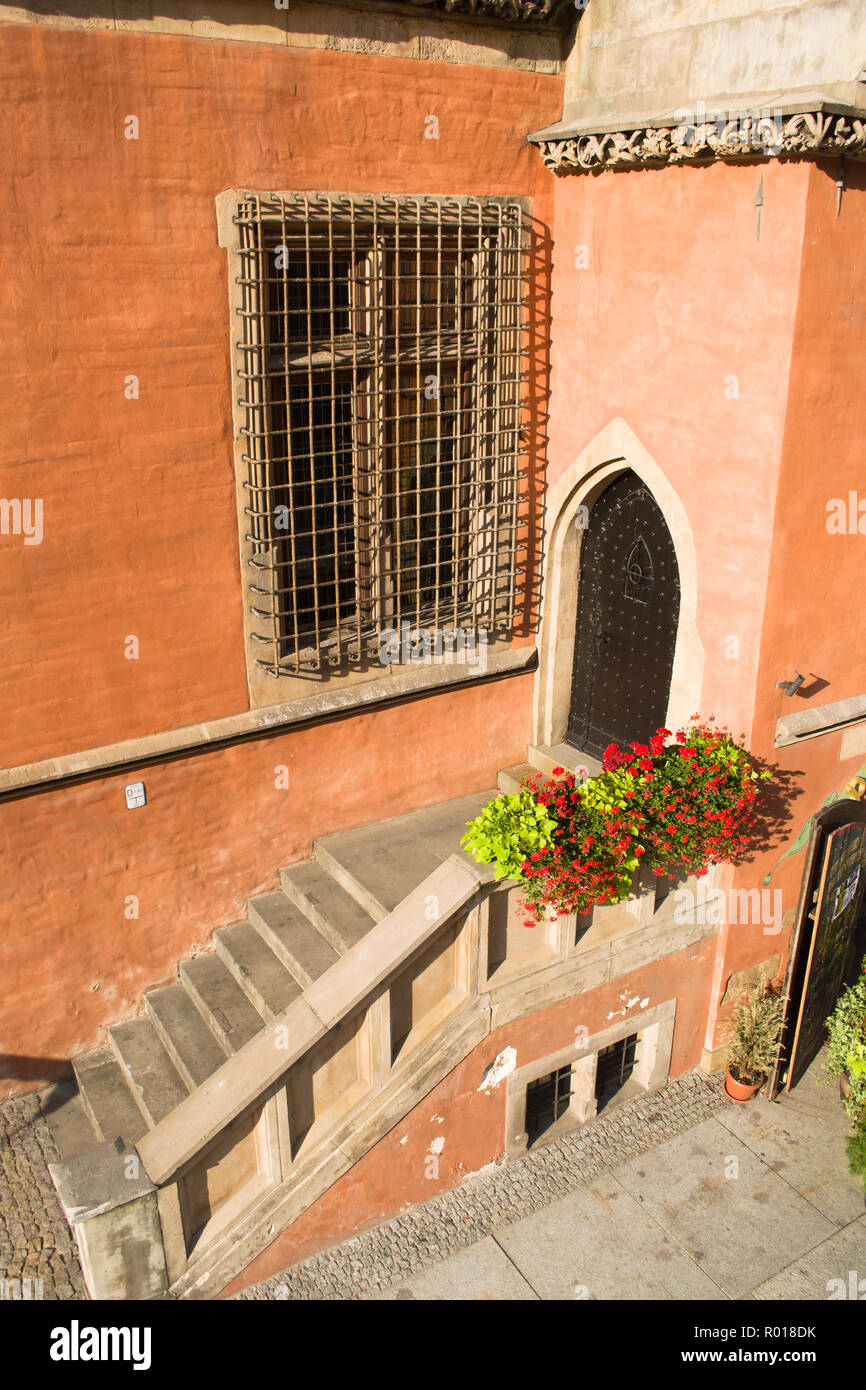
668,312
813,619
395,1174
215,831
111,266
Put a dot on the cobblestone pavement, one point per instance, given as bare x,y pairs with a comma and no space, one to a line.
35,1241
418,1239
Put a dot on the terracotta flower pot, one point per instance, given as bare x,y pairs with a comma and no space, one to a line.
845,1085
738,1091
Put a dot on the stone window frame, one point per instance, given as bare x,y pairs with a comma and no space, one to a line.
293,690
654,1027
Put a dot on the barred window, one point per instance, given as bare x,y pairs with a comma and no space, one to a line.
382,395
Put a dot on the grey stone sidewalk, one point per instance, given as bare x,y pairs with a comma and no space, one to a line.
422,1238
676,1195
679,1195
35,1242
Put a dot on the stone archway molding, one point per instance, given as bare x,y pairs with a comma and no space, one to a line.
614,450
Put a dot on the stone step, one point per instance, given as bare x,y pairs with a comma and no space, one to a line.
263,978
292,937
381,864
545,757
221,1002
107,1100
335,913
68,1122
150,1073
186,1037
511,778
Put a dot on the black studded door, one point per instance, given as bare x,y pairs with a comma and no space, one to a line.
628,606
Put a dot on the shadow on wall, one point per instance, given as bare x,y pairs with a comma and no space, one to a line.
14,1067
775,813
528,619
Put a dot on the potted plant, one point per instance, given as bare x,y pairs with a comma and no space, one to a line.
671,807
754,1037
846,1047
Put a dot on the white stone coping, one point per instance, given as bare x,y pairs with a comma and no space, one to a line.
843,99
824,719
120,757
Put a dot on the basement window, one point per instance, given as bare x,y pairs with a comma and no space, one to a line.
382,353
614,1068
547,1099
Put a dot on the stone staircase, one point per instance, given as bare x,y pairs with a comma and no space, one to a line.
257,968
544,759
227,1000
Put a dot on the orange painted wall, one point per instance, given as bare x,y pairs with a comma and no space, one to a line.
111,266
215,831
678,296
392,1176
813,618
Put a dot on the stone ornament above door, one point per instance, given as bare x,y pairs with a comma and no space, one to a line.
767,128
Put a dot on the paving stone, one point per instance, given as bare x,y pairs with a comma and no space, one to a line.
457,1220
35,1242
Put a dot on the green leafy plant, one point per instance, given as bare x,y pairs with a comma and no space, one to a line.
755,1030
846,1045
856,1151
572,845
508,831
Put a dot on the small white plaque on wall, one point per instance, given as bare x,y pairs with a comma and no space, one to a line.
134,795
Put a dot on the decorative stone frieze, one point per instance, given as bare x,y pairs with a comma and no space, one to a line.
543,13
812,134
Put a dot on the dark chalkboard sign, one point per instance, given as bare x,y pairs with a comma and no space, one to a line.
837,903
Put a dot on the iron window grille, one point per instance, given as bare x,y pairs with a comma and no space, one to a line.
614,1067
547,1099
382,394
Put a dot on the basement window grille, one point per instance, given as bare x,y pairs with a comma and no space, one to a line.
614,1067
382,389
547,1099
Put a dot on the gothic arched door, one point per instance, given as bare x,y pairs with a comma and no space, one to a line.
627,611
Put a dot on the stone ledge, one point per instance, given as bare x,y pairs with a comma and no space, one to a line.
97,1181
825,719
196,738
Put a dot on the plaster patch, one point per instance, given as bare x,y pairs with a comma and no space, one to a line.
499,1068
436,1145
628,1004
405,1139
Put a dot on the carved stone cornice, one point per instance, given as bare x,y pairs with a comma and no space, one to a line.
539,14
811,134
